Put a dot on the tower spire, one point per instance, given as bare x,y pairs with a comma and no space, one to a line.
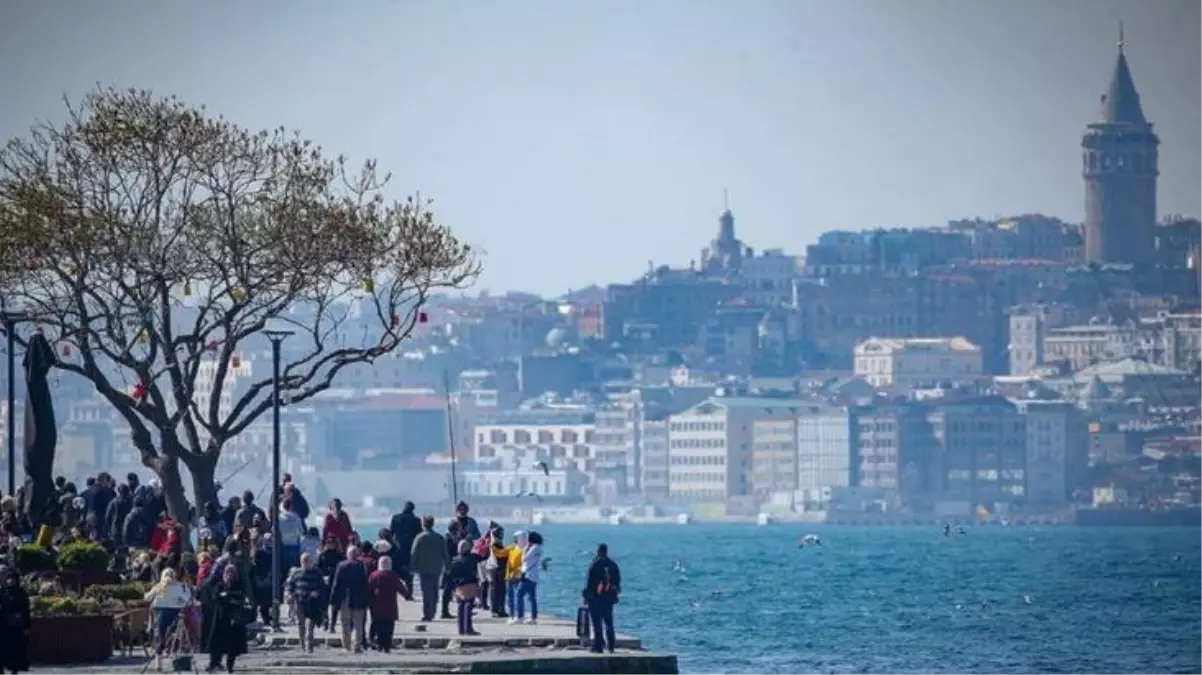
725,199
1121,103
1122,40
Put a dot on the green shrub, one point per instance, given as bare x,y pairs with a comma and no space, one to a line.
34,558
62,606
124,592
83,556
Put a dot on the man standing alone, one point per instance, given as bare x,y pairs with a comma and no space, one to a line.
601,590
427,559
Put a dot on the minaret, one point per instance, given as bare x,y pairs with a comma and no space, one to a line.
1119,160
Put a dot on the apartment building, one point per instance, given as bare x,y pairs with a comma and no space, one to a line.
908,363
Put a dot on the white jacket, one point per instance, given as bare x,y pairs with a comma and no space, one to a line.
292,529
172,596
532,562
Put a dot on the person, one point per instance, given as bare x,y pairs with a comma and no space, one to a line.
300,505
213,531
428,559
311,543
97,496
167,599
311,594
330,556
602,586
513,574
452,539
114,514
337,524
227,638
496,567
292,531
349,597
139,525
405,527
229,515
15,619
532,560
384,586
260,571
465,584
469,528
246,516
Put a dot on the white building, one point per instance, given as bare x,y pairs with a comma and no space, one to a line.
1027,328
825,443
768,277
774,454
499,480
540,434
907,363
710,445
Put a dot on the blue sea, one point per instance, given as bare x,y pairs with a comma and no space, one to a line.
895,600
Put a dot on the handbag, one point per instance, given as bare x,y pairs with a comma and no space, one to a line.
490,563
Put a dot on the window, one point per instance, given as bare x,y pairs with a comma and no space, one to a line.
521,437
497,436
545,437
568,436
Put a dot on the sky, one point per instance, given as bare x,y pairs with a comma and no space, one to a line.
575,141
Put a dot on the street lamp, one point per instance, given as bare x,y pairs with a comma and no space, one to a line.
276,337
10,431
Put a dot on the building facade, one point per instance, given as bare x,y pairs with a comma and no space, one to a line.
908,363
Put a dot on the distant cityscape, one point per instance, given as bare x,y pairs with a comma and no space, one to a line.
1017,368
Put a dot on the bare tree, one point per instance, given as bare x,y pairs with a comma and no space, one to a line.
149,238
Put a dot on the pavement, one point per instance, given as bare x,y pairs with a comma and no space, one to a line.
550,646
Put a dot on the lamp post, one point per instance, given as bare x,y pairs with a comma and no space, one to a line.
276,337
10,431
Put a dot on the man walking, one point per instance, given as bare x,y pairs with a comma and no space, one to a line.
428,559
405,526
601,590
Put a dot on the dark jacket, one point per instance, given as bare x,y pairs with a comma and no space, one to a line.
246,515
350,585
604,580
428,554
300,505
139,526
114,518
464,570
328,560
470,527
405,527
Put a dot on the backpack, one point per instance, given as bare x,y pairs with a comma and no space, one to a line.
606,588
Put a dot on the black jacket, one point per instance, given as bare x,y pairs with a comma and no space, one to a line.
350,584
405,527
114,518
139,525
604,580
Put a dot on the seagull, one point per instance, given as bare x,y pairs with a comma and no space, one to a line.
543,465
537,498
1027,599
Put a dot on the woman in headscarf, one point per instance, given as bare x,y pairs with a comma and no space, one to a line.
14,622
227,638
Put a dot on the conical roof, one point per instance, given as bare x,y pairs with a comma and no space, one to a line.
1096,390
1121,105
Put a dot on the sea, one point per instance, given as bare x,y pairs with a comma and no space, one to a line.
897,599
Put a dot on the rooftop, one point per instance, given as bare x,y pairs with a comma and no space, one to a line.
932,344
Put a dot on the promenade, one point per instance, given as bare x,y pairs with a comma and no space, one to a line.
551,646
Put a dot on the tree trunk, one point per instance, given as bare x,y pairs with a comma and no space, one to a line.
204,482
172,483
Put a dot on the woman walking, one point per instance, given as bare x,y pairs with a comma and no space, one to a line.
228,637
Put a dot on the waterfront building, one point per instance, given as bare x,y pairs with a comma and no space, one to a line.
825,436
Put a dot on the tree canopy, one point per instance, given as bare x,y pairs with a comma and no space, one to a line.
147,238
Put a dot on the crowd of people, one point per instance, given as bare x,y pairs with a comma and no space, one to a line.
325,574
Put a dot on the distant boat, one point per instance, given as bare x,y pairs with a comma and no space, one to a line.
683,519
763,519
618,519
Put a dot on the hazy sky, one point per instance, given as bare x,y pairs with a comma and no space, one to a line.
575,140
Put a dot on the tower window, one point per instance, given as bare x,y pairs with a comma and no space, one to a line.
1093,161
1120,161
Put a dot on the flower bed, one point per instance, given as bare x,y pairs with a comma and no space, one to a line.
69,631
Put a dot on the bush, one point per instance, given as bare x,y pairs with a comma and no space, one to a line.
123,592
34,558
83,556
62,606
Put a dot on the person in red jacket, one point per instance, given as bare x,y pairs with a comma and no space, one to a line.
338,525
384,586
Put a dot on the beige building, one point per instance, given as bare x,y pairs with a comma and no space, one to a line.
908,363
774,454
710,445
1081,346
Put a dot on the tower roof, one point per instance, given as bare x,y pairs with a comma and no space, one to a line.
1120,105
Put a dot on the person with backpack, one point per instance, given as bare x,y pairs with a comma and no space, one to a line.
601,591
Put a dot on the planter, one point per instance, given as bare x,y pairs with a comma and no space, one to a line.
78,580
62,640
